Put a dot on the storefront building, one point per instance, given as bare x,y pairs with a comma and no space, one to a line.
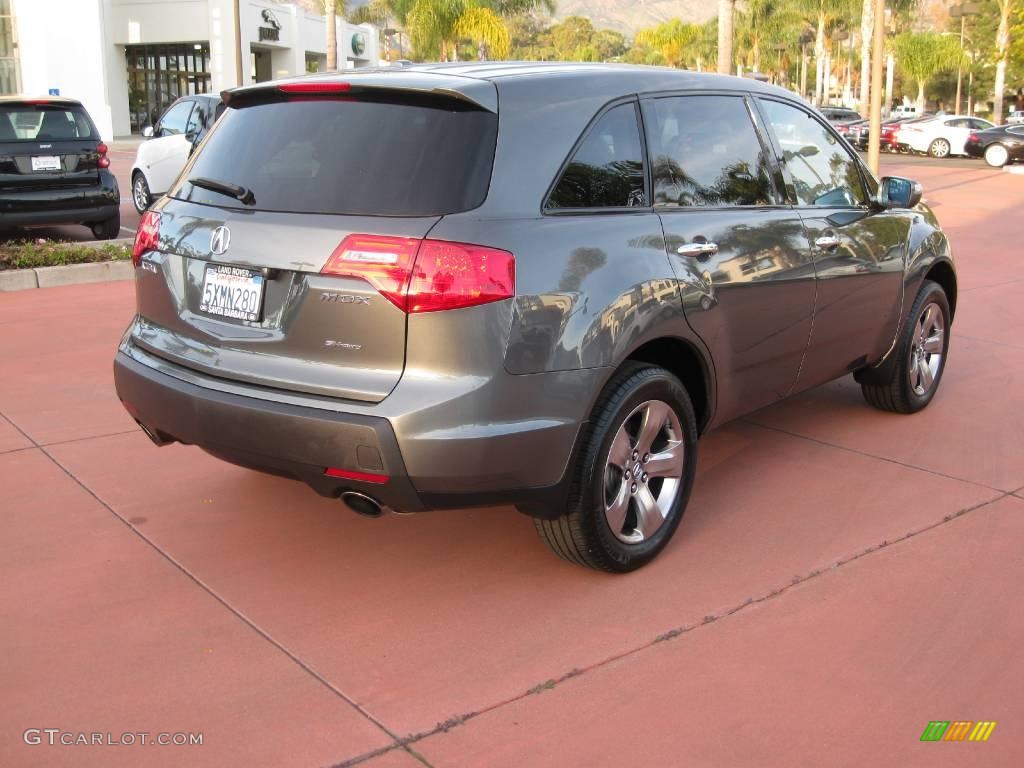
127,60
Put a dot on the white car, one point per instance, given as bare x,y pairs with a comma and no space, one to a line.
942,136
169,144
1016,117
903,111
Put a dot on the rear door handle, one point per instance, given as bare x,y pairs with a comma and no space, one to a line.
697,249
827,242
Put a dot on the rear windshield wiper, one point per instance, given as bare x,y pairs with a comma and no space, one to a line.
242,194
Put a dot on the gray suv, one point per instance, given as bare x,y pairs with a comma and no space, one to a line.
532,284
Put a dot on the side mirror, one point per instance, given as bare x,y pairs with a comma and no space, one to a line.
897,192
147,132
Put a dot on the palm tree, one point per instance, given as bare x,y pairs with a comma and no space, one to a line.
923,55
331,14
867,29
1006,8
675,40
726,9
823,16
437,25
763,23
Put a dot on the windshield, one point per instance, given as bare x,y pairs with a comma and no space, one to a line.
361,157
44,122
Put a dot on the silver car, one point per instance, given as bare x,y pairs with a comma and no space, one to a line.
534,284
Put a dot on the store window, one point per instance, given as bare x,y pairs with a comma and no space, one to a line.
8,60
160,74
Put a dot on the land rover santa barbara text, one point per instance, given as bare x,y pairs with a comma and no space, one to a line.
472,284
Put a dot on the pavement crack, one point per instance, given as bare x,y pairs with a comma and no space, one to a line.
676,632
866,454
181,567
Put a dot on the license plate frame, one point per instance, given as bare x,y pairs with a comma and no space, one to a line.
240,286
46,163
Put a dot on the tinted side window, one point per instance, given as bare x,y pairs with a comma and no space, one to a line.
607,169
822,171
175,119
705,152
197,120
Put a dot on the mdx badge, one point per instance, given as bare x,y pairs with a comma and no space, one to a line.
344,298
220,240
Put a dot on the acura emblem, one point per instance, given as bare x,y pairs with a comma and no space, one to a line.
220,240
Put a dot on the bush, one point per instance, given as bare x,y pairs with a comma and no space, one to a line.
27,254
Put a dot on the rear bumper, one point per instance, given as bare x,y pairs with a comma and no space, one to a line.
301,442
73,205
277,438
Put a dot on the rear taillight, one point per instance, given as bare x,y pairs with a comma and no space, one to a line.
147,236
426,275
101,150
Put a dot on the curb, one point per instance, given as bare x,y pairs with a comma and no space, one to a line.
68,274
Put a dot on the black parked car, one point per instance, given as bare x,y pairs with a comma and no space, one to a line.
54,167
840,115
999,146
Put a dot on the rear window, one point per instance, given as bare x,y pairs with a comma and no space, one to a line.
360,157
44,122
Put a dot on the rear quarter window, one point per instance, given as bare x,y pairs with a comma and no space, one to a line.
354,156
607,169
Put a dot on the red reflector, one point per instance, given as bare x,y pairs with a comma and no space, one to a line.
315,87
426,275
363,477
147,237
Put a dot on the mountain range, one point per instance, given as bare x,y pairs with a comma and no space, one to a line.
627,17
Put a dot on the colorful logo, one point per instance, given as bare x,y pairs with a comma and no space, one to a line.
958,730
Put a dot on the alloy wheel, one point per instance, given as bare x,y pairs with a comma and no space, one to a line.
939,148
926,349
996,155
643,473
140,194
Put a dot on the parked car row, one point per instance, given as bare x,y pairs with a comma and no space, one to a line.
943,136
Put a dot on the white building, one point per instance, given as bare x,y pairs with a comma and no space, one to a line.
127,60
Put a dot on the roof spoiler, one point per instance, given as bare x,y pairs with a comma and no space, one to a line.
481,94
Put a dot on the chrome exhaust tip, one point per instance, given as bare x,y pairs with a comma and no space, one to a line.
361,504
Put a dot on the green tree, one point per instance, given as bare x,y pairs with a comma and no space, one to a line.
570,35
674,40
922,55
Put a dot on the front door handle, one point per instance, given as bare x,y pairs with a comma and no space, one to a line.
827,242
698,249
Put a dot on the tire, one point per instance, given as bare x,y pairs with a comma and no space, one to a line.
142,198
906,388
584,535
996,155
107,230
939,148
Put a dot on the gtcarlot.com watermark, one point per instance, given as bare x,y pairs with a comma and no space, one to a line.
58,736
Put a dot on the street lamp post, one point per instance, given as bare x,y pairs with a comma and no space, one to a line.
961,12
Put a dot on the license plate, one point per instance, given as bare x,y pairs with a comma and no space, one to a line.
46,163
233,292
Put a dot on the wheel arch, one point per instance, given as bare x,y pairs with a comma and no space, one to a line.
682,359
942,272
